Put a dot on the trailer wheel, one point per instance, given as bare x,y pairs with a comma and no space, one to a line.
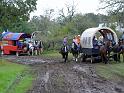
17,53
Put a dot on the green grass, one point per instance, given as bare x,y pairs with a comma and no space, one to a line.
9,73
114,71
23,85
54,54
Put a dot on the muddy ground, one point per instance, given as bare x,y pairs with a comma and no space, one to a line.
55,76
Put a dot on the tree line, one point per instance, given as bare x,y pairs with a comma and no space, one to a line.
15,16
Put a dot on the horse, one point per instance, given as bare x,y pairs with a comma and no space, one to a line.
36,47
40,47
64,51
75,51
118,50
122,49
31,48
104,51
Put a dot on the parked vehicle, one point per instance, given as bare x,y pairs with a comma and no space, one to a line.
14,43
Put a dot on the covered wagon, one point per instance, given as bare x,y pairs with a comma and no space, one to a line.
14,43
91,34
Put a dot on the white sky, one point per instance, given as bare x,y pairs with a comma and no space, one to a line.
82,6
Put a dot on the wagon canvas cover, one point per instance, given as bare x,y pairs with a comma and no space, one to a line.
88,34
14,36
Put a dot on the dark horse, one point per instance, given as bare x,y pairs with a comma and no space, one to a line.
105,50
64,51
122,49
118,49
75,51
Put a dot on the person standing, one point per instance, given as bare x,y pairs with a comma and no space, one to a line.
65,41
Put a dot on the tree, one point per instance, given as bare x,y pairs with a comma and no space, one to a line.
115,8
13,11
22,26
113,5
68,15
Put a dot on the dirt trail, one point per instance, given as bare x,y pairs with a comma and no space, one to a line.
54,76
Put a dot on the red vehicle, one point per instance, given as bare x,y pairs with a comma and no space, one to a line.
14,43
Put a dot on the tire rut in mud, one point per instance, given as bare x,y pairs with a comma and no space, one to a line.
54,76
70,78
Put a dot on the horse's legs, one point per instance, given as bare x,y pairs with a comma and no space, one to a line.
105,59
123,55
101,56
73,53
118,57
32,51
63,55
36,52
76,57
119,54
66,56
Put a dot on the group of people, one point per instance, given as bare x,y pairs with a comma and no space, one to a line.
36,47
107,42
109,45
74,48
31,47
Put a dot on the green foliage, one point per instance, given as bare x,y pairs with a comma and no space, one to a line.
55,30
12,11
22,26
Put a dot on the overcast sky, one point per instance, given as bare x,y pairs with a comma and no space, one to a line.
82,6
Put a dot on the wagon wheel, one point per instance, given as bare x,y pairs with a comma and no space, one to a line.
91,59
83,57
17,53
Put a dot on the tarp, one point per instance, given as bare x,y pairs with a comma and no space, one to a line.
14,36
88,34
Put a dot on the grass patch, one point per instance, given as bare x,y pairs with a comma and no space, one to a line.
111,71
51,53
9,72
54,54
24,84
